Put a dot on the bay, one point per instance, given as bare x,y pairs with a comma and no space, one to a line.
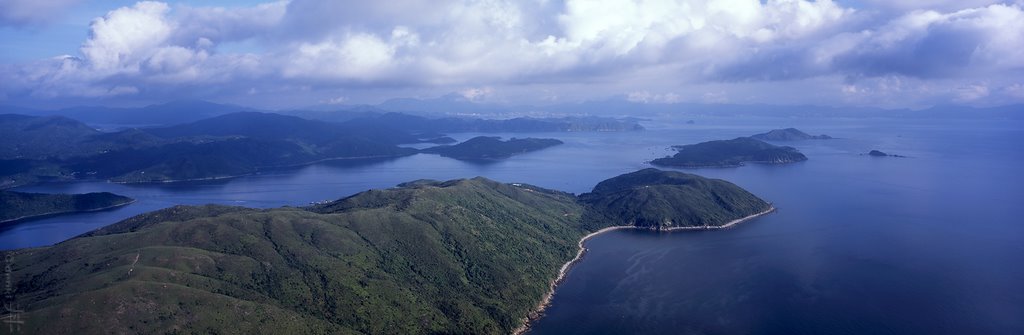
931,243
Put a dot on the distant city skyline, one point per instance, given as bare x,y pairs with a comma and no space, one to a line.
279,54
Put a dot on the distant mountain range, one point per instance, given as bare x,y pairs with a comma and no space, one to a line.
158,114
454,105
622,107
48,148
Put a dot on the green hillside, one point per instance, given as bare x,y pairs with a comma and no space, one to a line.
463,256
468,256
665,199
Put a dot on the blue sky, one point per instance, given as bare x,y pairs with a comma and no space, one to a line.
305,52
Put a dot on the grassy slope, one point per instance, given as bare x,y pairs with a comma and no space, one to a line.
467,256
464,256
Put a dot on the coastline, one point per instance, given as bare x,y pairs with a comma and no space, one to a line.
726,166
546,300
270,167
58,213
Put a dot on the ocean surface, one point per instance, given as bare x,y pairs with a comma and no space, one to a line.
928,244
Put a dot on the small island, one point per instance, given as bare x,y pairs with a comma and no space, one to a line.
789,134
491,148
668,200
876,153
18,206
730,153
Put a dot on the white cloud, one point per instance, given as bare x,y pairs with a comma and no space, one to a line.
979,41
904,6
358,56
649,98
221,24
971,93
638,46
126,36
139,45
621,26
1015,90
477,93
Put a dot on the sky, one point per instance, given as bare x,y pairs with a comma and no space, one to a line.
283,54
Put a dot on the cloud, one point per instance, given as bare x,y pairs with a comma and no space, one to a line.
905,6
1015,90
929,44
969,44
359,56
149,46
935,49
221,24
970,93
127,36
648,97
477,93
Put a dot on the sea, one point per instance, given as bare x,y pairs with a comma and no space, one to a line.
929,243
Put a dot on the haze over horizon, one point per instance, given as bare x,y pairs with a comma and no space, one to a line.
287,54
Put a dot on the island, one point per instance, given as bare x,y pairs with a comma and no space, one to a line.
491,148
664,200
19,206
471,256
876,153
730,153
789,134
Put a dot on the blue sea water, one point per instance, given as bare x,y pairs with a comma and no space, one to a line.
928,244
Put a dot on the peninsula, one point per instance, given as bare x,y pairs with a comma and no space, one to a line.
18,206
492,148
460,256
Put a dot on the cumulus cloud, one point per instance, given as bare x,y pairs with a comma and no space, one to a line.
904,6
932,44
359,56
127,36
638,46
147,45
